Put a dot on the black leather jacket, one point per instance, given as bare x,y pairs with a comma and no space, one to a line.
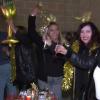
25,60
86,60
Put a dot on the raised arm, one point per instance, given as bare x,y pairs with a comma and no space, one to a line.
33,34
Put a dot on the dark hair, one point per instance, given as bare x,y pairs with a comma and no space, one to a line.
95,32
22,29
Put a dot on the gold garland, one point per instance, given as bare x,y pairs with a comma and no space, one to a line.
68,76
94,46
69,70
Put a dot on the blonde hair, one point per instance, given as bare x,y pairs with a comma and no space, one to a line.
60,38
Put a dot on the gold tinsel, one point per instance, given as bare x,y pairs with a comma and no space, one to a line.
69,70
68,76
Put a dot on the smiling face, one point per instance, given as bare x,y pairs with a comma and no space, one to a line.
54,32
86,34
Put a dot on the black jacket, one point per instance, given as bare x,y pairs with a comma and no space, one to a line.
26,62
84,61
49,63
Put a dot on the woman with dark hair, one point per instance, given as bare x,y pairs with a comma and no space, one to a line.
95,32
84,60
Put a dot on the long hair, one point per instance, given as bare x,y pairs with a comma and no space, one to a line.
56,24
95,32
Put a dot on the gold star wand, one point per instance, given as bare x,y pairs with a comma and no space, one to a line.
9,10
85,17
46,18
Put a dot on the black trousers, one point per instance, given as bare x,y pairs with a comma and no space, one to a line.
80,84
84,87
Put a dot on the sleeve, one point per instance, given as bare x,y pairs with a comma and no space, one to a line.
86,62
33,34
82,61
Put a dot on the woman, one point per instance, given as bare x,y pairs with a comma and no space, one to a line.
84,60
50,65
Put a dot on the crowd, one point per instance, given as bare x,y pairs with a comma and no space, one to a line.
40,59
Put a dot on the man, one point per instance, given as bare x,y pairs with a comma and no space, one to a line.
6,87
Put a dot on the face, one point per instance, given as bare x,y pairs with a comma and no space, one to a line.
86,34
53,32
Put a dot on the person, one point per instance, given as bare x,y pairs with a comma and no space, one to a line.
84,60
96,78
25,55
7,89
50,71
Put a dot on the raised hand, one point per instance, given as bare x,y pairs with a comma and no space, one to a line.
35,10
11,23
46,40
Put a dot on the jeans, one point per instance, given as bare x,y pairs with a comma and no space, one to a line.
42,85
5,85
55,85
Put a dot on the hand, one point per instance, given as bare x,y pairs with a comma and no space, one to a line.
47,40
9,21
2,9
35,10
60,49
11,24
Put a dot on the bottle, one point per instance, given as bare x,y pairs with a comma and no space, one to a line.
41,97
52,95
